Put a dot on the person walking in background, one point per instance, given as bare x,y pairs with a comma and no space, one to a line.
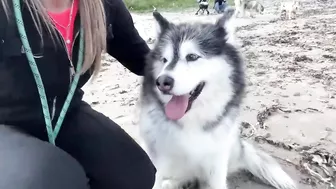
220,6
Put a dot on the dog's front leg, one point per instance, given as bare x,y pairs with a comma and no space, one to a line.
197,11
162,181
294,15
165,183
290,15
249,14
158,182
237,12
243,12
168,175
217,173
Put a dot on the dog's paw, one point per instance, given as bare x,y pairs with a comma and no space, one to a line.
168,184
191,185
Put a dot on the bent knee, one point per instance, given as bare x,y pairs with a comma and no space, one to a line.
147,177
26,162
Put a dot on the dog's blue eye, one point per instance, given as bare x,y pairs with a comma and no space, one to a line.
192,57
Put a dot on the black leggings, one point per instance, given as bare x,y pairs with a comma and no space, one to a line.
94,153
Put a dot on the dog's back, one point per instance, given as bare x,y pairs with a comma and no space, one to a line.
203,4
254,5
249,6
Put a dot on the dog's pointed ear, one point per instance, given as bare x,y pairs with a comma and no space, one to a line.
226,17
162,23
226,21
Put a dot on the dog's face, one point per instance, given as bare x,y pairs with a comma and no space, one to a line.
191,63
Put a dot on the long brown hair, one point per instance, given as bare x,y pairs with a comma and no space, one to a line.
92,18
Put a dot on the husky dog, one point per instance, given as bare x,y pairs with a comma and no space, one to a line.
248,5
203,6
190,103
254,6
289,9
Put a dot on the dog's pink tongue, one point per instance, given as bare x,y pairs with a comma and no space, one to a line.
176,107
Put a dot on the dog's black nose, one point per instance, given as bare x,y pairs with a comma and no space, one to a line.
165,83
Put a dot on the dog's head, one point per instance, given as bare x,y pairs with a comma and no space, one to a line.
202,1
296,5
196,66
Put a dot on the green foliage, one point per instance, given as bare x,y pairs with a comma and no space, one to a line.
147,5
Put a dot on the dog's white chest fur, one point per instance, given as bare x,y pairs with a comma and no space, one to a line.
184,153
189,139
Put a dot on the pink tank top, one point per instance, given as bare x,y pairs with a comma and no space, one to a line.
61,22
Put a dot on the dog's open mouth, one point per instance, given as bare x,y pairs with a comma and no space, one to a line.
179,105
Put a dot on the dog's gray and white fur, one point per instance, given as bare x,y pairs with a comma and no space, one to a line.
205,143
250,6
